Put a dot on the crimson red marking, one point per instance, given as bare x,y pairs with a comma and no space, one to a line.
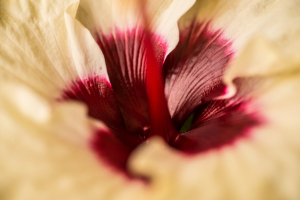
147,96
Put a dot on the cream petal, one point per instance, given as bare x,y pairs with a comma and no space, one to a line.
50,157
86,54
40,47
32,38
260,58
255,17
104,17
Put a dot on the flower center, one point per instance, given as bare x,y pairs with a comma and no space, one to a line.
173,98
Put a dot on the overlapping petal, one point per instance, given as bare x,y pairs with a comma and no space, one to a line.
263,165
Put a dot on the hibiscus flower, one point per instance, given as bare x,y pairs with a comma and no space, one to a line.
149,99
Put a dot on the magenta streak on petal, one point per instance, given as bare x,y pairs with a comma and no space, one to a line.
194,69
160,119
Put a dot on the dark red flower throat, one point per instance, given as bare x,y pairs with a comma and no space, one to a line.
174,99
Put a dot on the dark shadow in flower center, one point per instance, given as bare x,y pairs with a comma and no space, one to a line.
192,75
